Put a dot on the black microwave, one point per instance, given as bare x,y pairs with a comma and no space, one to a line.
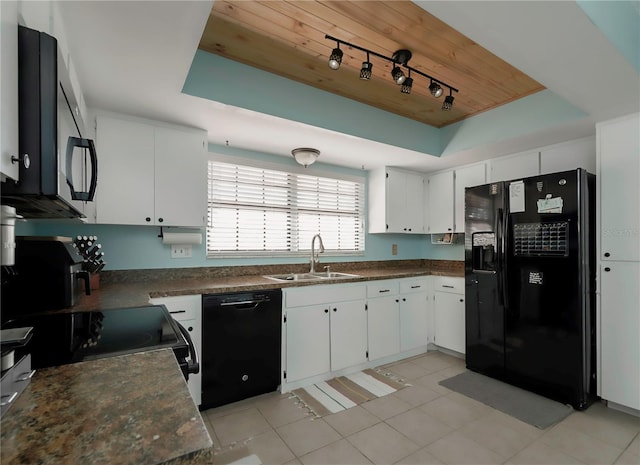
58,166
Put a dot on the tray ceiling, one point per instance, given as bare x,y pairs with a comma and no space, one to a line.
287,38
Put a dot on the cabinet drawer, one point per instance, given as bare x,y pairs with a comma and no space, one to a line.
382,288
448,284
14,381
313,295
183,307
410,285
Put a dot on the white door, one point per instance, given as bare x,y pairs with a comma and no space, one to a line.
440,200
619,330
125,192
619,180
348,334
383,326
9,88
414,206
515,167
413,320
469,176
395,201
449,321
180,178
307,333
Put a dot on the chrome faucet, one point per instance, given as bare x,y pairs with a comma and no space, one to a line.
314,256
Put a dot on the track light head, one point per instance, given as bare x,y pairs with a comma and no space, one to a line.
448,102
335,58
406,86
435,89
397,75
365,71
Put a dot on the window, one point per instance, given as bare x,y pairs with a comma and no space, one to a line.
257,211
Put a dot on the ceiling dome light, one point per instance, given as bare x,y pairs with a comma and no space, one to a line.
305,156
335,58
435,89
448,103
397,75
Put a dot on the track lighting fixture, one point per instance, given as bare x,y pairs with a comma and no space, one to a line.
448,102
406,85
400,59
336,58
305,156
365,71
435,89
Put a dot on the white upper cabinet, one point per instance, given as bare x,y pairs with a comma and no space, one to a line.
579,153
9,89
440,202
468,176
150,174
618,179
396,201
521,165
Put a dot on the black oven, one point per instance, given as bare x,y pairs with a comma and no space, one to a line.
70,337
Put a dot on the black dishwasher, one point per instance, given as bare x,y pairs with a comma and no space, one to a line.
241,336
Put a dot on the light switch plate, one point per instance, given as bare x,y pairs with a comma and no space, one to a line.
181,251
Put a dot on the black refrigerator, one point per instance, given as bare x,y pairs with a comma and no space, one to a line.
530,284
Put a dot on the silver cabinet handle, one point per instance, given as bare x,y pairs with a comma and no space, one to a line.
10,399
27,375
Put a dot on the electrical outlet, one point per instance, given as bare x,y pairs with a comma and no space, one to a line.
181,251
394,249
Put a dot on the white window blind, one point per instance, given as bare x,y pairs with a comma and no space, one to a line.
256,211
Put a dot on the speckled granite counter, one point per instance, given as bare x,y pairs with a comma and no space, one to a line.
132,409
134,287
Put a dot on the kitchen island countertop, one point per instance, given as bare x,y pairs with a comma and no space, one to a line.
88,412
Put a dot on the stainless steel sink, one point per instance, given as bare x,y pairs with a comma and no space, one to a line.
310,276
333,275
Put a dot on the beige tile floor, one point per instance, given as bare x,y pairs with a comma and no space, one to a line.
421,424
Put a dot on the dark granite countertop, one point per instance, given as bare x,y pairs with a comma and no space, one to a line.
131,409
133,288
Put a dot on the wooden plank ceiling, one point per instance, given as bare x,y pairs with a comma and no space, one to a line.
287,38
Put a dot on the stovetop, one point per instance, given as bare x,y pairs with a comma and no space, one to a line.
63,338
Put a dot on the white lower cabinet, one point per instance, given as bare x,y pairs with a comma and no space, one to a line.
187,310
414,313
307,342
383,318
619,327
321,335
448,307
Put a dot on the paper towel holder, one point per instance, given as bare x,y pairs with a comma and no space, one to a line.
180,238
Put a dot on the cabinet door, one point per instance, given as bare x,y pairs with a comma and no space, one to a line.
580,153
180,178
619,180
395,202
126,172
383,326
449,321
9,88
474,175
414,204
348,334
440,201
413,320
513,167
619,323
307,333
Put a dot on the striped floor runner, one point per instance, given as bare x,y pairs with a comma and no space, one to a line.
344,392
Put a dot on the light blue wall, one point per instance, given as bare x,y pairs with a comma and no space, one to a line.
138,247
619,21
226,81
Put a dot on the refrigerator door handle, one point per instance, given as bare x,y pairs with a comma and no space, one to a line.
500,257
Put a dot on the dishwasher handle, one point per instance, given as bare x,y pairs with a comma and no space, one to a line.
245,304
